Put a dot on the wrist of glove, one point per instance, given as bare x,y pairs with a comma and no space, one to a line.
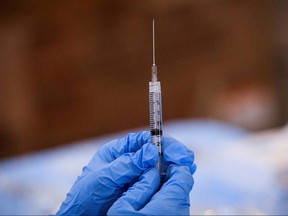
121,178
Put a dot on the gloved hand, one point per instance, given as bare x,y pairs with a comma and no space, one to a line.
105,178
117,165
173,197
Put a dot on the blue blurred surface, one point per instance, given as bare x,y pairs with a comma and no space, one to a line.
235,174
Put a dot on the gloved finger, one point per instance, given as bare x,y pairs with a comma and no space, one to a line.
193,168
138,195
177,153
128,166
115,148
177,187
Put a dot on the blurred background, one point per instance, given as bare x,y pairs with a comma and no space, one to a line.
71,70
74,74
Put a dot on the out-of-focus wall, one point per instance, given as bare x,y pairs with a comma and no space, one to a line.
76,69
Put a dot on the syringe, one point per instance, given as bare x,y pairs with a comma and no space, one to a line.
155,107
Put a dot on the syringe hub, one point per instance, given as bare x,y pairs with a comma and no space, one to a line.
154,73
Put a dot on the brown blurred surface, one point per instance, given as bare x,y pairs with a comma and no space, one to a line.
71,70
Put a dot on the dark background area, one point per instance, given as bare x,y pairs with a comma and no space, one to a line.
72,70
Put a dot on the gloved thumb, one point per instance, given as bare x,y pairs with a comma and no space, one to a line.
129,166
138,195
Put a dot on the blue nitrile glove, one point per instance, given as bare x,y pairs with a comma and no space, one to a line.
143,198
105,178
113,169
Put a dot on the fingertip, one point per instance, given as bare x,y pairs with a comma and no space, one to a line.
134,141
143,137
177,187
146,157
181,176
130,166
193,168
177,153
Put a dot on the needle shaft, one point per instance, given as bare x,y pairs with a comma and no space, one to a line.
153,43
154,67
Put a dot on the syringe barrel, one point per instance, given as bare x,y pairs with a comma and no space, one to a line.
155,108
